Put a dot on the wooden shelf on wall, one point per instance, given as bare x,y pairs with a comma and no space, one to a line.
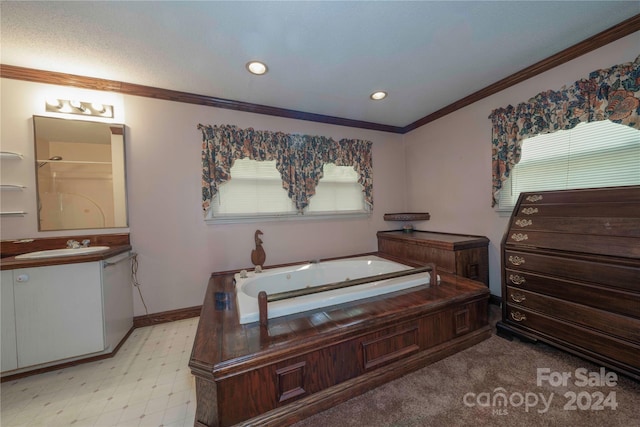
407,216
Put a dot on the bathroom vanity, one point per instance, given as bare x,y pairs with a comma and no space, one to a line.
60,309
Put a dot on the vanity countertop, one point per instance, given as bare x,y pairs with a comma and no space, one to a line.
11,263
9,249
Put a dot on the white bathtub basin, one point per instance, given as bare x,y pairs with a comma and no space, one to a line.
282,279
62,252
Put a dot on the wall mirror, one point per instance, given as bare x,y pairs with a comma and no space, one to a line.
80,174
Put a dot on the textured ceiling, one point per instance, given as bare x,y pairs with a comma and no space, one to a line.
324,57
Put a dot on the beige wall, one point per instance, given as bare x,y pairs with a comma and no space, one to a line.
177,249
442,168
449,160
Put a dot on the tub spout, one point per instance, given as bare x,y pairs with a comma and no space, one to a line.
314,261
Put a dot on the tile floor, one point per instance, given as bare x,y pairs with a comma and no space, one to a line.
147,383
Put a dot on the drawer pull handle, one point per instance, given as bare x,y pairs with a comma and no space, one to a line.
530,211
534,198
516,260
519,237
517,316
516,279
524,223
518,297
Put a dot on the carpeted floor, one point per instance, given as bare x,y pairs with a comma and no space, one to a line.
464,390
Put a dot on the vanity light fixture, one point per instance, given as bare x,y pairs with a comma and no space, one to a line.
98,107
256,67
54,103
78,107
378,95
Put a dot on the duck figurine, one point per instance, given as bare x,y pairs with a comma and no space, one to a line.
258,256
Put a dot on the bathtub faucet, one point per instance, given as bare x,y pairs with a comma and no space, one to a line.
314,261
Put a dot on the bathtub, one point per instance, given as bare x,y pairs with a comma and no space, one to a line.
294,277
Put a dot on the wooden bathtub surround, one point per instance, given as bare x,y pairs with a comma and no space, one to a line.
303,363
462,254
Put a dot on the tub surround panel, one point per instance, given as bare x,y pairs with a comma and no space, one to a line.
294,364
464,255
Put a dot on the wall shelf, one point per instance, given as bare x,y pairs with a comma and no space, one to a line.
10,155
407,216
12,187
76,162
14,213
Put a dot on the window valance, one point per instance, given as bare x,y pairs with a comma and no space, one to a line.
299,159
608,94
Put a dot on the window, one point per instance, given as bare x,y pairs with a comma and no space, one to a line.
255,190
591,155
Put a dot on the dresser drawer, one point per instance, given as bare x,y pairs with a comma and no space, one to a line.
578,210
615,300
611,324
614,275
601,196
576,337
625,227
625,247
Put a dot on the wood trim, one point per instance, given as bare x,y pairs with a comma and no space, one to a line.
166,316
612,34
63,79
603,38
327,398
408,216
13,247
495,300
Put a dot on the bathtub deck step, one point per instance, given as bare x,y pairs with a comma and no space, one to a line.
246,374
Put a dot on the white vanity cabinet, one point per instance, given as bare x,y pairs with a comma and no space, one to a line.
65,311
117,299
58,311
8,355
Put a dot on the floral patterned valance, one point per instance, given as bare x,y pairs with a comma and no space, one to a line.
299,159
608,94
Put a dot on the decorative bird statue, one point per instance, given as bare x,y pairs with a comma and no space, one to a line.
258,256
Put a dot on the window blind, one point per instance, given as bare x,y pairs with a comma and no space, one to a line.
591,155
256,188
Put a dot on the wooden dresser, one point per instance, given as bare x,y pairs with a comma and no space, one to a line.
460,254
571,274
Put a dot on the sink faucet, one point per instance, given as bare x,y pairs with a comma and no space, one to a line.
73,244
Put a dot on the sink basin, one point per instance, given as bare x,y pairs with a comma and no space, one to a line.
62,252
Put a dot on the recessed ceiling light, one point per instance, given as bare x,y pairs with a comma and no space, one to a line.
377,96
257,68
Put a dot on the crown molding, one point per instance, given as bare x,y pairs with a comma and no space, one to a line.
603,38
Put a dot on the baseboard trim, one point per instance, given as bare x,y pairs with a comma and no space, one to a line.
138,322
166,316
495,300
55,367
